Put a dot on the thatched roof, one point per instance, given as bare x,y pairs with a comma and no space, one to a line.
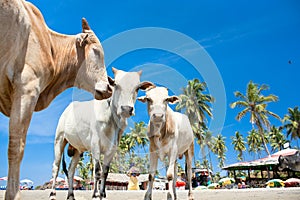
260,163
123,178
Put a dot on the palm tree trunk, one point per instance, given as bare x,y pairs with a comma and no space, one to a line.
261,131
211,166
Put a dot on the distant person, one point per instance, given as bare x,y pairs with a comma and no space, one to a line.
133,183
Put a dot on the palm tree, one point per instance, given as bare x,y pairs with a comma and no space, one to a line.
83,169
277,138
195,102
255,103
292,123
138,135
238,144
208,144
198,164
254,142
220,148
196,105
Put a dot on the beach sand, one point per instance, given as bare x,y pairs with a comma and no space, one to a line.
224,194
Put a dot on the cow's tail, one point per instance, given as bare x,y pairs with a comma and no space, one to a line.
64,165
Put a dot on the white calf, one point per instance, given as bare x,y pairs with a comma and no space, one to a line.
97,126
171,135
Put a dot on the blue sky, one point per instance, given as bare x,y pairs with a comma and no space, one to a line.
244,40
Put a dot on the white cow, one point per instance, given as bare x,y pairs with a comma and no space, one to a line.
97,126
170,135
37,64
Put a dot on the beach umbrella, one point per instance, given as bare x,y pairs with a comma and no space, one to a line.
77,178
201,187
226,181
26,181
213,186
58,179
179,183
292,182
3,178
275,183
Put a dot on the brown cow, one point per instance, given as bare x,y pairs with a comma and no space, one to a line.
37,64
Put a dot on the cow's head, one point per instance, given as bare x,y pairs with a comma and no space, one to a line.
126,87
92,75
158,99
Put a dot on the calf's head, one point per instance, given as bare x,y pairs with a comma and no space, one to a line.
157,100
126,87
92,75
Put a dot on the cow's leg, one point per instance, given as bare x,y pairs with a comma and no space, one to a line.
106,163
152,170
24,101
71,172
175,179
97,176
188,159
171,174
59,146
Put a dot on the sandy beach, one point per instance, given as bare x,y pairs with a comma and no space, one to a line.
238,194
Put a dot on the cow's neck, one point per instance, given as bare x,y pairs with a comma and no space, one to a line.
66,57
120,122
65,67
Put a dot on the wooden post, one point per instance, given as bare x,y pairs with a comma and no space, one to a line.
234,174
268,172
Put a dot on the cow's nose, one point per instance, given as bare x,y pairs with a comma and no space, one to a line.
128,110
158,116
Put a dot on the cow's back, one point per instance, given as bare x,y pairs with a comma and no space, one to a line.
14,33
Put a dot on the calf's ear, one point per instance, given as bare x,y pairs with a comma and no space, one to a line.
146,85
173,99
142,99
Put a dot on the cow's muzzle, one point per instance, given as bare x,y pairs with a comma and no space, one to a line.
158,117
127,111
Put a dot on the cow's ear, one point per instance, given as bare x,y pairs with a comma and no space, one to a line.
85,26
173,99
114,70
146,85
82,39
142,99
140,72
111,81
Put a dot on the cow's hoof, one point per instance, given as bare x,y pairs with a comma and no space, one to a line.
169,196
191,197
52,196
96,196
71,197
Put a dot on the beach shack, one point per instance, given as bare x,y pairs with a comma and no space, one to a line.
118,181
266,167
